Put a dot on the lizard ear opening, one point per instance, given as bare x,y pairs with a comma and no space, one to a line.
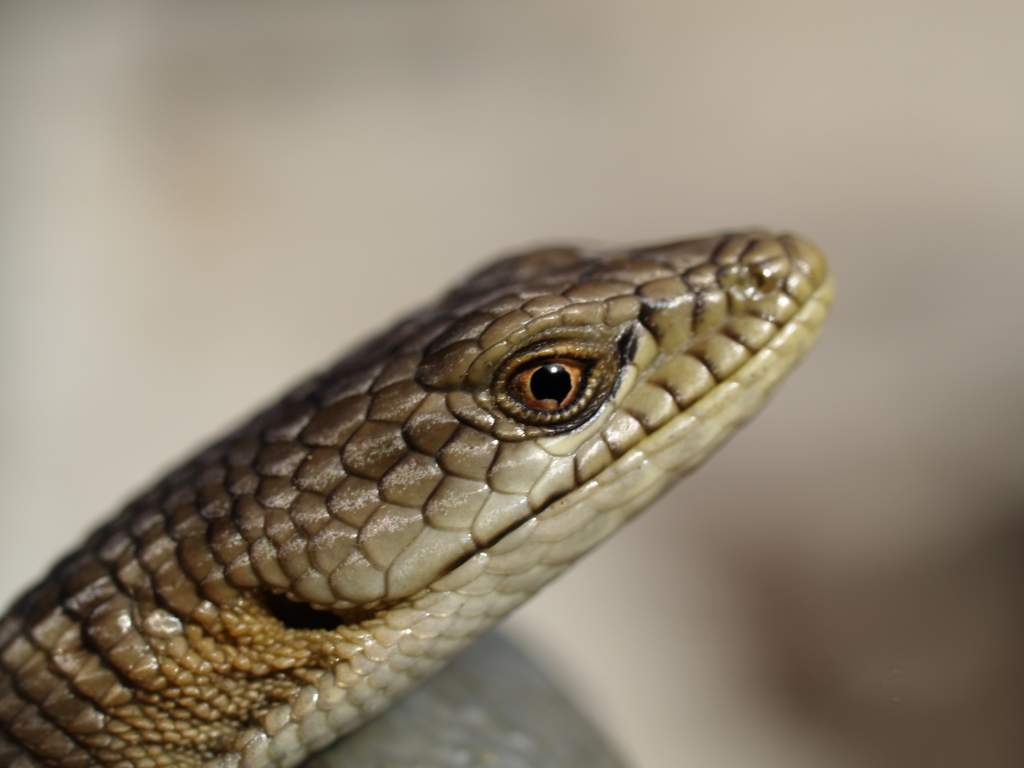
301,615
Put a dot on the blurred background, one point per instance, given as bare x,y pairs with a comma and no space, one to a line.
199,202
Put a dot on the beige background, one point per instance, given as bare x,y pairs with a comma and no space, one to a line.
199,202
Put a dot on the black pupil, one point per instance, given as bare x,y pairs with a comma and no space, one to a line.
551,382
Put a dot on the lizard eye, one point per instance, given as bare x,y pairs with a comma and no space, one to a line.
549,385
556,384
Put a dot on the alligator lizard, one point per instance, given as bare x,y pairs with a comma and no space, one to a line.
294,578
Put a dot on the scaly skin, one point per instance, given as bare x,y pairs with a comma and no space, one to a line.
296,577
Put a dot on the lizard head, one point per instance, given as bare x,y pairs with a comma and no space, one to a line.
553,383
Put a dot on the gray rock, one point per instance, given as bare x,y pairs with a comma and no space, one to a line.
492,707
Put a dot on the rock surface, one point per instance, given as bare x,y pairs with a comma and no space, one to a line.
493,707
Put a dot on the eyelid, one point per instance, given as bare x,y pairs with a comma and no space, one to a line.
598,360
